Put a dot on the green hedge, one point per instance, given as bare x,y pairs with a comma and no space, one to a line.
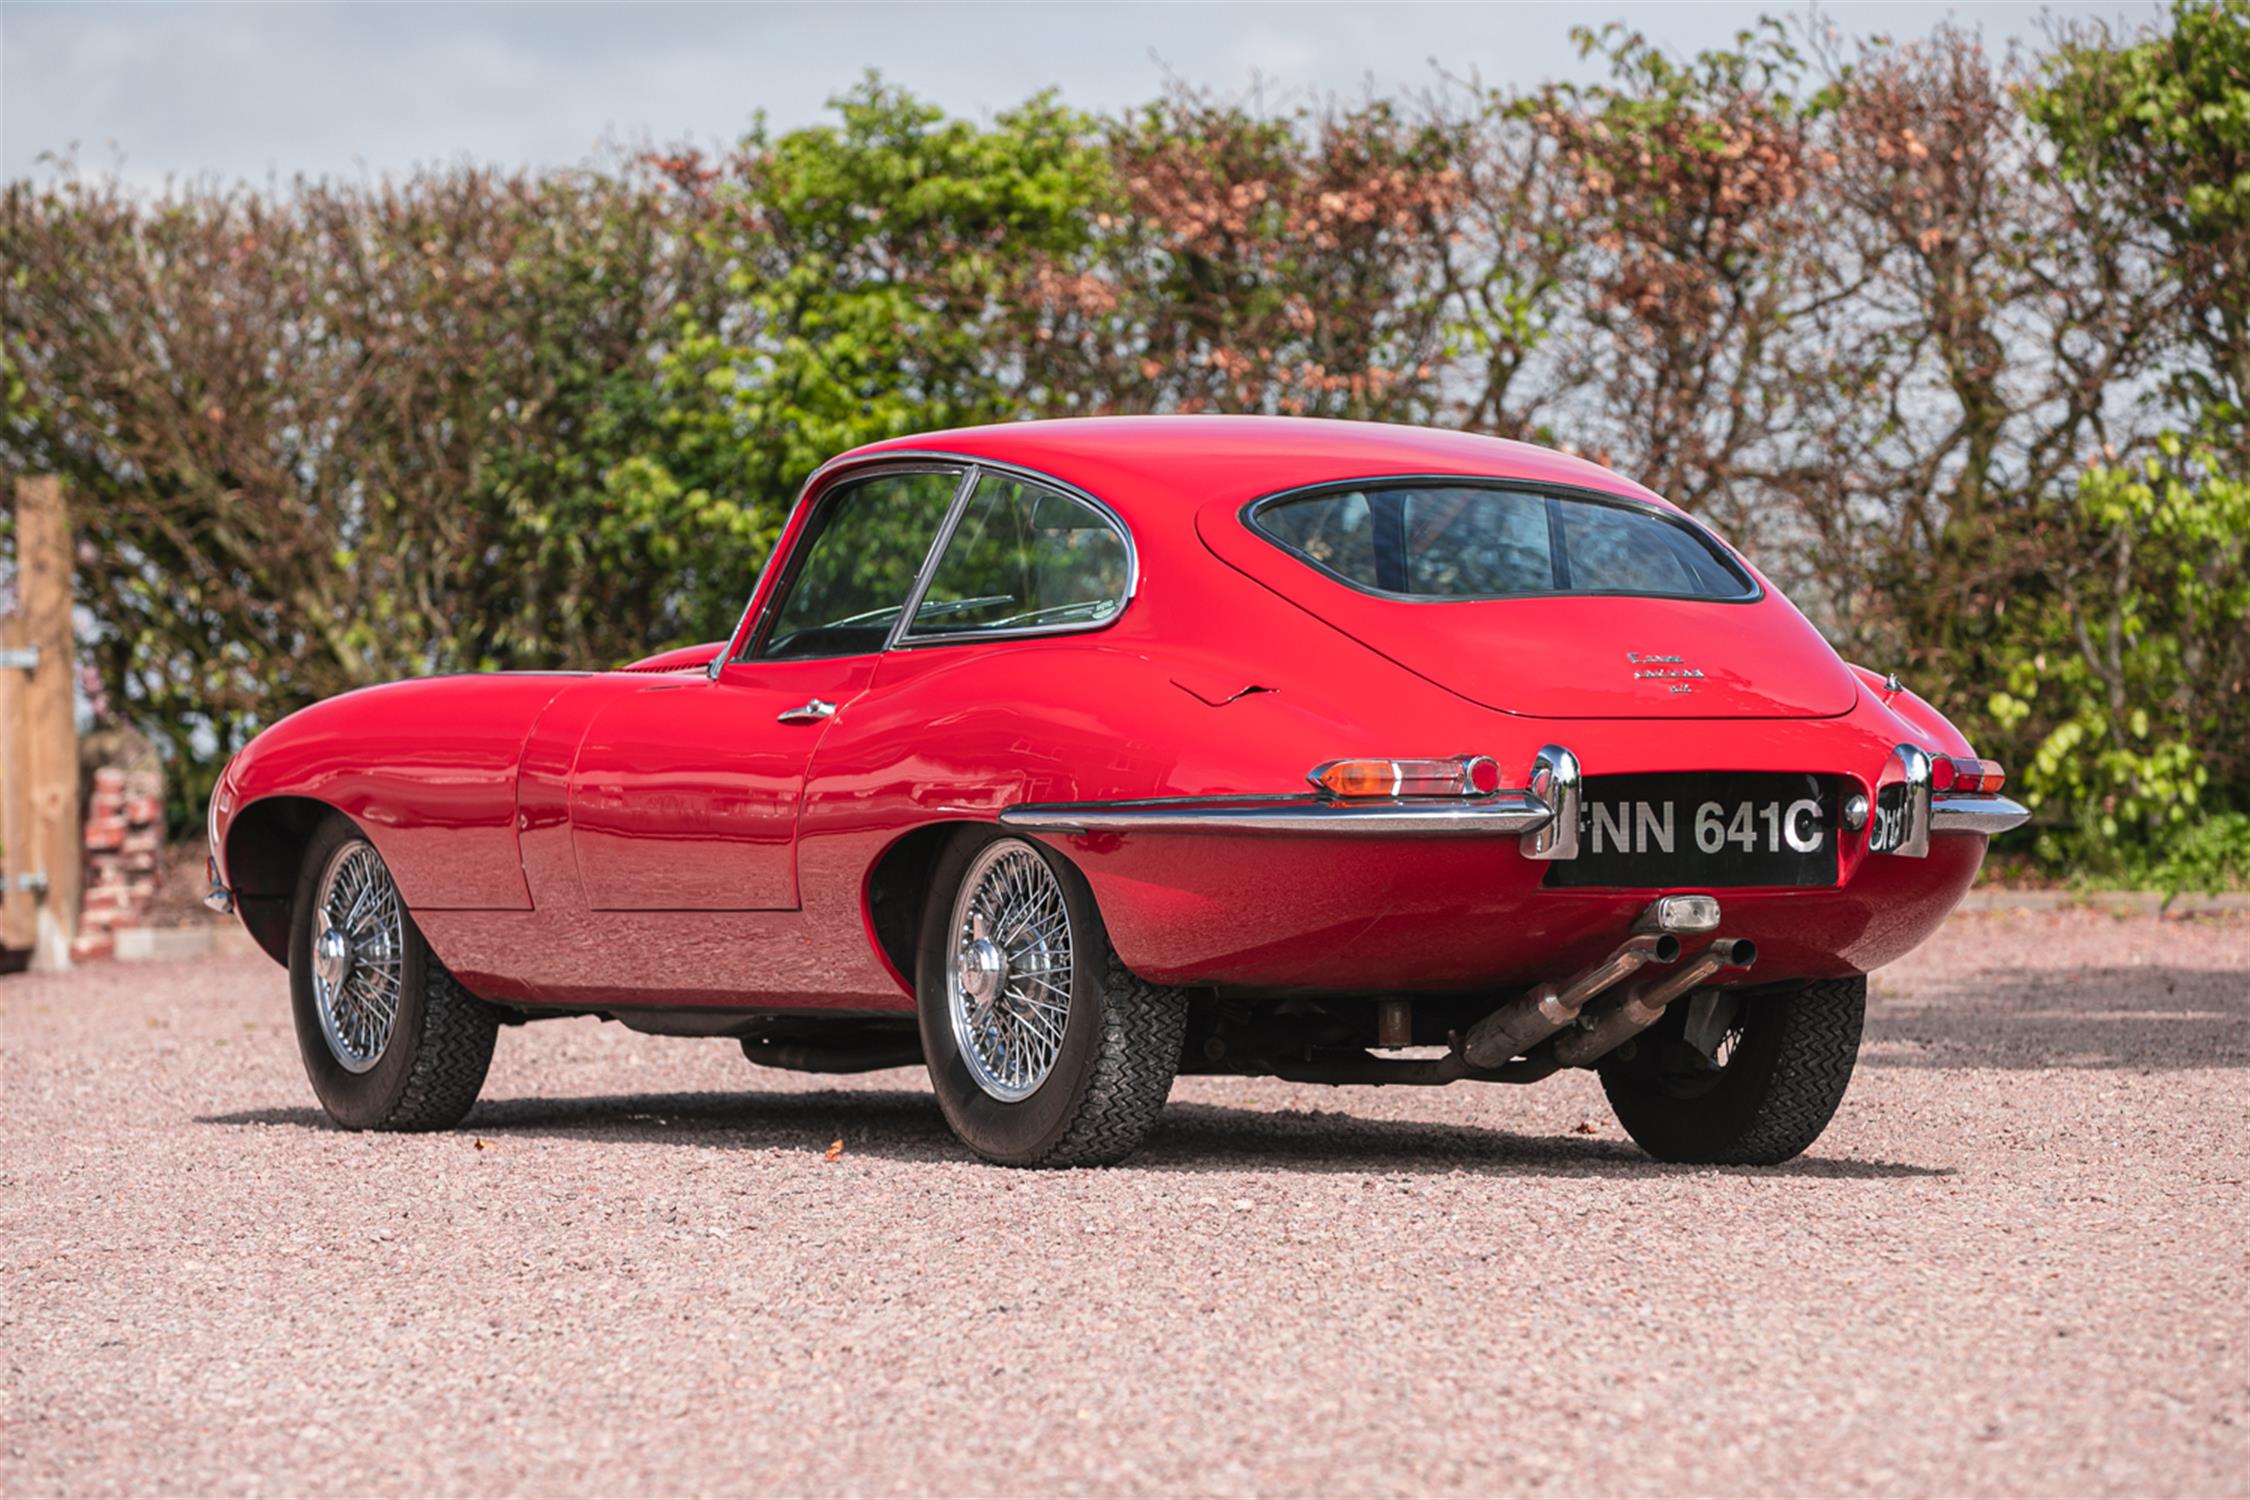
1954,345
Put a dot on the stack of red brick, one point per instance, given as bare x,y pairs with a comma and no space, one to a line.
124,856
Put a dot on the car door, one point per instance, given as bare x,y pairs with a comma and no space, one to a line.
684,795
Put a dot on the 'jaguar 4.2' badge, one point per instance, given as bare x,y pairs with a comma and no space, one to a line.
1666,669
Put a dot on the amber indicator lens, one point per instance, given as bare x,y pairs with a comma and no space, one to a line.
1450,776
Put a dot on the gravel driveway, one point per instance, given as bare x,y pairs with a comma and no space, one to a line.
2016,1264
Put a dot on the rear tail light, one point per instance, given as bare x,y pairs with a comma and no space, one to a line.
1965,773
1454,776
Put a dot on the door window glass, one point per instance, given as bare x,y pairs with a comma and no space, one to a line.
861,556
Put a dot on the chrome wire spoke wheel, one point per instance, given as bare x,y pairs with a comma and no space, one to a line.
358,955
1008,986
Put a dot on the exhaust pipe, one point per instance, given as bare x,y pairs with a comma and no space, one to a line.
822,1057
1520,1025
1640,1009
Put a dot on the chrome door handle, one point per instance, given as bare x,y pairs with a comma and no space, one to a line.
807,713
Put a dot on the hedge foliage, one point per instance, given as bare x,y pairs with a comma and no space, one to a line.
1953,344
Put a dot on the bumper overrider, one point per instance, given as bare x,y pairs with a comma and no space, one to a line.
1545,814
218,898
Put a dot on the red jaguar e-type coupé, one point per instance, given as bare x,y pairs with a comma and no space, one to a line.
1065,756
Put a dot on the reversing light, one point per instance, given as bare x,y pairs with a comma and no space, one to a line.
1453,776
1684,914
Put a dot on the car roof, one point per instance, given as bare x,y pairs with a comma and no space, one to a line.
1179,463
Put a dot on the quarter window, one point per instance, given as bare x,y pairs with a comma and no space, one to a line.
1488,541
862,553
1024,557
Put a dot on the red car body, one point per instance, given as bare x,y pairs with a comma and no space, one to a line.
651,841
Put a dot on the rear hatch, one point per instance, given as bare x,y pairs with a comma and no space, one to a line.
1657,621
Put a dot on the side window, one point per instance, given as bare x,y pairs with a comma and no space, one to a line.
859,559
1339,534
1024,556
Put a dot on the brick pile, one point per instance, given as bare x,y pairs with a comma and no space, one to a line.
124,856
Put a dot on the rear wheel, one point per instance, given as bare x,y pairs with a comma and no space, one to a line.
1044,1051
391,1041
1739,1081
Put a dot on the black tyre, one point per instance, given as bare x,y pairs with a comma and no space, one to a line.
391,1041
1043,1049
1781,1067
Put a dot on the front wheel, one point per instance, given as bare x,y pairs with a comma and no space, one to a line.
391,1041
1043,1049
1739,1081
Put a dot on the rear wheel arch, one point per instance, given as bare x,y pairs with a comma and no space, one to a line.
897,886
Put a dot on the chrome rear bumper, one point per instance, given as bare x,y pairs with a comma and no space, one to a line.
1501,813
1545,815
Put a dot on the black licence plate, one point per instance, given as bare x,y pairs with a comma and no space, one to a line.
1705,828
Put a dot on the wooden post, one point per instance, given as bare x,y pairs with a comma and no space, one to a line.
19,904
56,846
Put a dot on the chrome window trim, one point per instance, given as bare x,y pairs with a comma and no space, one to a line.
957,507
1726,555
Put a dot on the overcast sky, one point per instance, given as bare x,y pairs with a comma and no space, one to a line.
356,89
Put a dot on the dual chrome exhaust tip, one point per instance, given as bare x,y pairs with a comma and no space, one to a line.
1644,1004
1548,1009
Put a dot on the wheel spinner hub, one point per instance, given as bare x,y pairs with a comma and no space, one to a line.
332,958
983,969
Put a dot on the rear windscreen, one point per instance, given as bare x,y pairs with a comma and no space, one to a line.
1482,541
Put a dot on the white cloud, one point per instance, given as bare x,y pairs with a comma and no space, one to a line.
248,90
